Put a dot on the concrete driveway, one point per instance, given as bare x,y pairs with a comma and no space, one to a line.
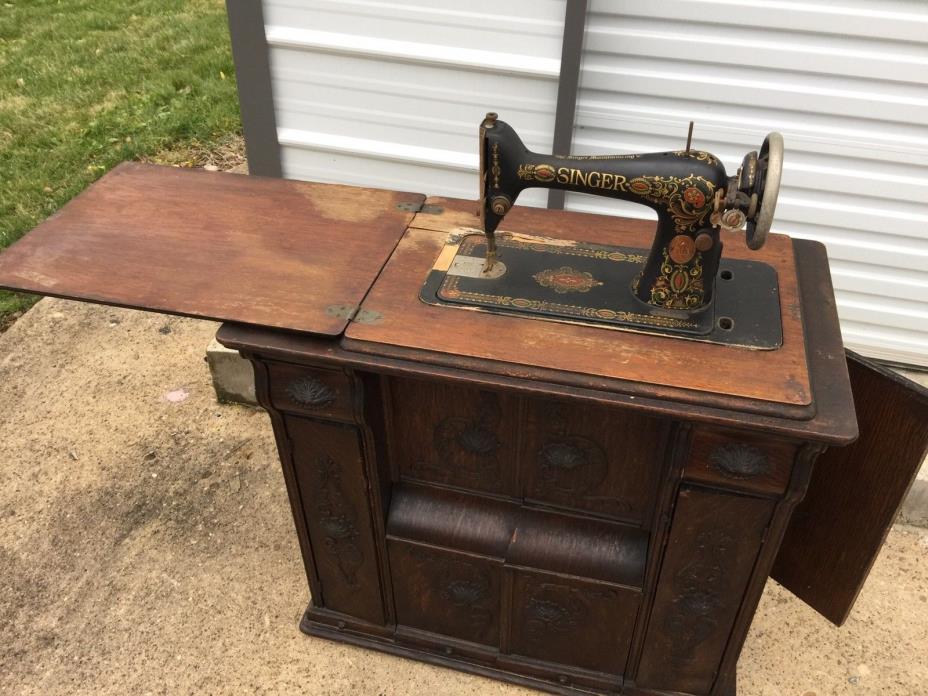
146,545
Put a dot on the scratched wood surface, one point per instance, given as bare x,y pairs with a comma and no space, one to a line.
780,376
211,245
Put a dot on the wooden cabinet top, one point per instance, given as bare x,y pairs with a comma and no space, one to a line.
345,263
269,252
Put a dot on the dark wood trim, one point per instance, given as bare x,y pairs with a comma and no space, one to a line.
284,449
294,347
568,86
799,482
366,390
836,533
343,633
255,96
668,488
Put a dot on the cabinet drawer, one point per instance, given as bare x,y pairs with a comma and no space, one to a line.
446,592
577,622
601,460
738,460
455,436
311,391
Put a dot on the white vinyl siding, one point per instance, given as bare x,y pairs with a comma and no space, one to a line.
390,94
845,81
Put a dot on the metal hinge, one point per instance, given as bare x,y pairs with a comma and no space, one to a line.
420,208
355,314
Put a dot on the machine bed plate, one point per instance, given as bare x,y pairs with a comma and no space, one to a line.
581,283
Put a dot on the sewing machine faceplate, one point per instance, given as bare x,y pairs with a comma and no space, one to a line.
585,283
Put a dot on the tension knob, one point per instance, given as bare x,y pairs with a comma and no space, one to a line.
500,205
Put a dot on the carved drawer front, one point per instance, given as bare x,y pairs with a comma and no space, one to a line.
738,460
332,485
453,590
572,585
311,391
445,592
576,622
714,541
601,460
454,435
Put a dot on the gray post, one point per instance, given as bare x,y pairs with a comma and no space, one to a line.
568,86
253,75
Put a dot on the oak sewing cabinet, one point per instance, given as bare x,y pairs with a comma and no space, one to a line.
561,506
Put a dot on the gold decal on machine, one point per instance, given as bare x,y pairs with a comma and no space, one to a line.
566,279
687,199
679,286
606,181
495,169
536,172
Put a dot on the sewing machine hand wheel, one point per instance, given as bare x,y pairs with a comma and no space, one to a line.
766,185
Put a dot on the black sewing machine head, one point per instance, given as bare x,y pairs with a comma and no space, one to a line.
671,289
689,189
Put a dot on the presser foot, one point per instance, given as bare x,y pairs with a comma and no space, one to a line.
489,261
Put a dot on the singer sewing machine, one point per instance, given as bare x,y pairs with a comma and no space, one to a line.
682,287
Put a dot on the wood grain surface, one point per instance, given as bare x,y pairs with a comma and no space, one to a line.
780,376
714,540
830,419
855,493
213,245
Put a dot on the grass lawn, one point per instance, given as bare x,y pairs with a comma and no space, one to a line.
86,84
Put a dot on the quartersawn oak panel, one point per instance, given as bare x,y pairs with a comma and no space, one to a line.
714,541
571,621
215,246
837,531
446,592
738,460
601,460
780,377
329,470
454,435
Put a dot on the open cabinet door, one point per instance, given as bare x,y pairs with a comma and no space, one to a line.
836,532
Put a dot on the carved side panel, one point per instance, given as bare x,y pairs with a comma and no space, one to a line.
581,623
454,435
448,593
330,475
593,459
714,541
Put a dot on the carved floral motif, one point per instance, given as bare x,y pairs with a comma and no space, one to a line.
570,469
571,465
550,608
699,589
310,392
461,584
466,447
737,460
338,520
